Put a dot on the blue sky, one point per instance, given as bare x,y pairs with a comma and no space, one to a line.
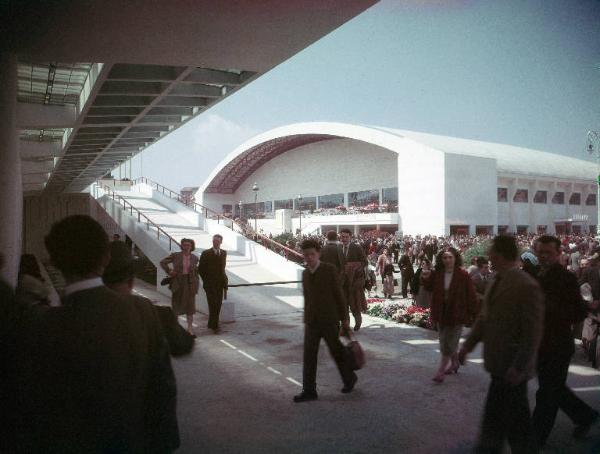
520,72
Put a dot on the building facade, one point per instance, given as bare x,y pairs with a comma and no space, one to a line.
336,175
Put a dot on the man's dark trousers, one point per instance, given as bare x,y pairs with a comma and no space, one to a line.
553,395
312,338
507,417
215,300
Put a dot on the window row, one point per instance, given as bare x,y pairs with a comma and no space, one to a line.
359,199
560,228
522,196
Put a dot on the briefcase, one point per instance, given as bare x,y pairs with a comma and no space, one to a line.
354,355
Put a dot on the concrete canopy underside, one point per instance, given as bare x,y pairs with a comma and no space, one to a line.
160,64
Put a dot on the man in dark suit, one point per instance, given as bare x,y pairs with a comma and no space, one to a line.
564,307
332,252
324,309
214,279
103,373
510,326
354,264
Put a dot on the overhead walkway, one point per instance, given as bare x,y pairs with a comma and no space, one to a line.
156,219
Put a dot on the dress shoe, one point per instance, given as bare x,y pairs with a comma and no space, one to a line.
348,387
306,396
439,378
582,430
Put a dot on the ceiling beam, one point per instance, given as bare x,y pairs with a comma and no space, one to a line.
44,116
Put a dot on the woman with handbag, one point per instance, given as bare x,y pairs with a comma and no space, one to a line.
453,305
184,281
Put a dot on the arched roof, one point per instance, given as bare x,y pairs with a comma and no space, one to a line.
251,155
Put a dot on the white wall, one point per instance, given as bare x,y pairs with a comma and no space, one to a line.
470,187
421,189
322,168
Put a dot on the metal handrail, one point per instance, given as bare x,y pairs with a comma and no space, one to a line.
141,215
194,205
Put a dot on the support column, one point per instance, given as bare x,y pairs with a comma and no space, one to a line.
512,188
11,186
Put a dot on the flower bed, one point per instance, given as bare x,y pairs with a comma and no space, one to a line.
399,312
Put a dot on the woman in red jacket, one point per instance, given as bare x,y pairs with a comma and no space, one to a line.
453,305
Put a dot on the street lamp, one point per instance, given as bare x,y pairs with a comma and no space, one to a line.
255,189
240,204
300,209
593,148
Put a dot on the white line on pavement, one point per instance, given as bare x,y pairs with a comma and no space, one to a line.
290,379
228,344
247,355
274,370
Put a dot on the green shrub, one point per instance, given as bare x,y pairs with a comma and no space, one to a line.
478,249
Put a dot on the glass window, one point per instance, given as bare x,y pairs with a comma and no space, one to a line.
390,198
284,204
307,204
249,209
331,200
522,229
592,229
502,194
269,206
575,199
540,197
484,230
591,200
558,198
521,196
542,229
227,209
363,198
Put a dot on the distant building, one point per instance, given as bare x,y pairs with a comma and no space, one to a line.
373,178
187,194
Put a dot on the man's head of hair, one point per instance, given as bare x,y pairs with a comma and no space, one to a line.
481,261
332,235
548,239
310,244
506,247
121,267
346,231
78,246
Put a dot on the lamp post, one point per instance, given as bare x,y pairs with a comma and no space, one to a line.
593,148
241,204
300,210
255,189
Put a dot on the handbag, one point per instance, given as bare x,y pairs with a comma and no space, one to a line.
166,281
354,355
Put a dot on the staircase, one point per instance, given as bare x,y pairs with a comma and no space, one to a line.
156,220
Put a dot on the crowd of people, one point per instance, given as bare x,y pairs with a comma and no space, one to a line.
94,374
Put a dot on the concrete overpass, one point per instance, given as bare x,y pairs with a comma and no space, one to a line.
84,86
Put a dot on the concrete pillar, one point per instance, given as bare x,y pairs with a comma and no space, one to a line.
356,230
11,187
512,188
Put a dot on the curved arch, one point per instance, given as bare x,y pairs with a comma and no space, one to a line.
251,155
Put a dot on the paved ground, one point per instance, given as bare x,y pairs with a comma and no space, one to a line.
236,389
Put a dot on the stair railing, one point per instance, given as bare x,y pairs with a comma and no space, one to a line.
247,231
128,206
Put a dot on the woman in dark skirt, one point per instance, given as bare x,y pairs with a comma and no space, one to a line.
184,281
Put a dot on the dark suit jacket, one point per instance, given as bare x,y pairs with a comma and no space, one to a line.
323,298
212,269
563,308
510,324
592,277
355,254
105,378
332,253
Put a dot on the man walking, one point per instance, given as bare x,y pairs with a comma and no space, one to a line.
214,279
563,308
332,252
324,309
354,268
510,326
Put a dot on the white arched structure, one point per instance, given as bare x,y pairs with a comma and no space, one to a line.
443,183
